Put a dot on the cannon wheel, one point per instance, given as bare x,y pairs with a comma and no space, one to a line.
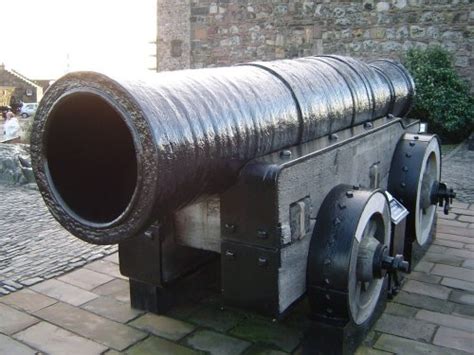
351,229
416,167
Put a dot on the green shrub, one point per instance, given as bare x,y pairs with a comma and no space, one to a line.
442,98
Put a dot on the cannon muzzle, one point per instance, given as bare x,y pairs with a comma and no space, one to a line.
111,156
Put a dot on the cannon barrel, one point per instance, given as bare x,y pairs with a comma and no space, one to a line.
111,156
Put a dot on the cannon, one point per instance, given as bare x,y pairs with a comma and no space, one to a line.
295,177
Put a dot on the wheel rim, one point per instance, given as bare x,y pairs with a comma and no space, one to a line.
429,174
373,228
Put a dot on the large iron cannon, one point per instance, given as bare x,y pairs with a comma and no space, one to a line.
294,174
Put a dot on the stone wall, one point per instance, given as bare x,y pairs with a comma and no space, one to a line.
226,32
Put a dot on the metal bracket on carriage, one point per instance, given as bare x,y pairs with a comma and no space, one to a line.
442,195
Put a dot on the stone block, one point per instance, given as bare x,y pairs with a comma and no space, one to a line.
448,243
400,345
463,218
468,254
446,320
455,339
11,346
64,292
462,297
12,321
106,267
445,259
421,276
163,326
424,266
401,310
85,279
405,327
216,343
459,284
453,272
53,340
426,289
155,345
89,325
27,300
469,264
111,308
117,288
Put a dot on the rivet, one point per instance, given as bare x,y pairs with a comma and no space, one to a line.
329,310
230,227
150,235
408,155
285,153
405,168
262,234
262,261
412,144
390,116
403,184
328,296
341,206
326,281
368,125
327,261
229,254
416,137
356,187
222,308
350,194
333,136
337,221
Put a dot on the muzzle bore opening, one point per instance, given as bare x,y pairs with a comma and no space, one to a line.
90,158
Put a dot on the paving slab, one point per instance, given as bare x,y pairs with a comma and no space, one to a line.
423,301
27,300
11,346
458,284
444,258
64,292
455,339
453,272
426,289
216,344
447,320
111,308
106,267
12,320
85,278
399,345
117,288
92,326
421,276
401,310
405,327
53,340
462,297
163,326
155,345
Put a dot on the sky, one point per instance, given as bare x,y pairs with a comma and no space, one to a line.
45,39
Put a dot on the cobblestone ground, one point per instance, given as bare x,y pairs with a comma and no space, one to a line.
458,172
33,246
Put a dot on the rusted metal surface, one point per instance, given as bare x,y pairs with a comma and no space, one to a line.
111,155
